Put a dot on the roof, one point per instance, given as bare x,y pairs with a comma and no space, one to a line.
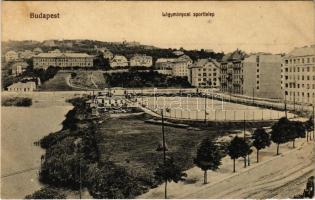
203,62
141,56
23,85
56,55
163,60
10,52
184,58
303,51
119,57
236,55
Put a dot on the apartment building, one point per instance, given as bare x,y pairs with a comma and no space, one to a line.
204,73
119,61
262,74
299,75
231,72
141,61
63,60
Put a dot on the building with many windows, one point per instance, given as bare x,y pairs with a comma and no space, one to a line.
22,87
141,61
262,74
204,73
231,70
119,61
63,60
299,75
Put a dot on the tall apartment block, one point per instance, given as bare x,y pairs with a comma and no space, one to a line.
298,69
262,74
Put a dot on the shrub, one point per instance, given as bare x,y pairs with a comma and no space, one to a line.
46,193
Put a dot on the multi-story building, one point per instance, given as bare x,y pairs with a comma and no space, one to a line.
22,87
11,56
204,73
18,68
231,70
299,75
63,60
164,65
141,61
119,61
262,74
174,66
180,68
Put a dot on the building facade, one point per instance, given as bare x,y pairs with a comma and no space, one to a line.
119,61
22,87
141,61
204,73
63,60
231,70
299,75
18,68
11,56
262,74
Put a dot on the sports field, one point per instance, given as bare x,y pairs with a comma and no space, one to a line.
197,108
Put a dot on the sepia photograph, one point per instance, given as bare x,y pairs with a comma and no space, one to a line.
157,99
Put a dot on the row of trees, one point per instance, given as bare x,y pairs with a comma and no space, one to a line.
210,154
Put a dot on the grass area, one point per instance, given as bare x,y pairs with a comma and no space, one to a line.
17,101
88,79
132,143
58,83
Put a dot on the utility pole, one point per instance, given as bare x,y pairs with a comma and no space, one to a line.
244,125
253,96
163,136
294,102
164,153
205,108
285,105
313,122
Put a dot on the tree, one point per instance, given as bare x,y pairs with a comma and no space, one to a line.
279,132
309,126
296,130
261,140
169,172
46,193
238,148
208,157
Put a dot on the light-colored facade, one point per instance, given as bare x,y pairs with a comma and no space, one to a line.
141,61
180,68
110,102
11,56
18,68
299,75
262,74
231,70
174,66
204,73
63,60
119,61
22,87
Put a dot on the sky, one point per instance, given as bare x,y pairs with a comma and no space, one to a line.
265,26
